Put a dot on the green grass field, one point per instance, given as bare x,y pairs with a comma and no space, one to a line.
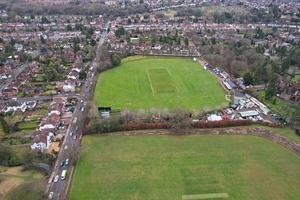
185,167
156,82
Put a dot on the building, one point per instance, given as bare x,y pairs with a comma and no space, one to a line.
214,117
249,113
41,140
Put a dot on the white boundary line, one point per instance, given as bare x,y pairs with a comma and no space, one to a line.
205,196
149,78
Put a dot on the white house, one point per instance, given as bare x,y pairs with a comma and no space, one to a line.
68,88
47,126
42,141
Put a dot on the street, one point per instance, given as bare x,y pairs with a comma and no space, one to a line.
71,143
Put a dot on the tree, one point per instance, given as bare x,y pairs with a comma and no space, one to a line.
69,27
8,157
50,71
45,20
120,32
89,32
285,65
248,79
93,42
260,75
76,47
24,57
4,125
180,120
116,59
42,39
259,33
271,89
270,92
275,67
8,50
82,75
260,49
126,116
79,27
281,51
186,41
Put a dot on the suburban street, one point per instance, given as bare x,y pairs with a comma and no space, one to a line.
16,73
73,134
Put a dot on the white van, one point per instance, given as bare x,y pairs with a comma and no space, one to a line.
63,174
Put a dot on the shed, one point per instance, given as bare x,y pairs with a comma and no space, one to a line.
249,113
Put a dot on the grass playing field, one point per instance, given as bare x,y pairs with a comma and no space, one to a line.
185,167
156,82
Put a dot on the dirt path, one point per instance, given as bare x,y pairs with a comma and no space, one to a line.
256,131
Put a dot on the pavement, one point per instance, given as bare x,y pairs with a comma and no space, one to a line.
70,145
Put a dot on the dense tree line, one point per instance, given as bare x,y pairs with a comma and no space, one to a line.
77,9
8,156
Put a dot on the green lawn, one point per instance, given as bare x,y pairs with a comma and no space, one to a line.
185,167
155,82
28,125
296,78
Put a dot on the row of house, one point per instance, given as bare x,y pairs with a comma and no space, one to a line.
72,81
16,106
56,119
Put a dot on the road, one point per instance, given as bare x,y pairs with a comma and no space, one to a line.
40,98
70,144
16,73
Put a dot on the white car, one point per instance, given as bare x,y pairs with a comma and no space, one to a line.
75,137
67,161
66,147
71,133
50,195
56,178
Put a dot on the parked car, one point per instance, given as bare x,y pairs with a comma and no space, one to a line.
75,137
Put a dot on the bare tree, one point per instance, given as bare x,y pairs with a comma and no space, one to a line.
180,120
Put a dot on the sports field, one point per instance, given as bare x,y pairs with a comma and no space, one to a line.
156,82
185,168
